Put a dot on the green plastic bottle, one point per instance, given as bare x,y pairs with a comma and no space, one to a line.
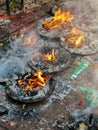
80,69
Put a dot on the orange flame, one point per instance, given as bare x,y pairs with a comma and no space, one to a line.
50,56
76,37
30,41
37,79
22,35
60,18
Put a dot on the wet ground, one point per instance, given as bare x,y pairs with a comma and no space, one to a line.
67,94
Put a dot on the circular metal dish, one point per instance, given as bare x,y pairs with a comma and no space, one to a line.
62,61
37,94
89,46
52,33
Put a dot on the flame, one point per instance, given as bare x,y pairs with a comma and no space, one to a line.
30,41
37,79
15,34
22,35
50,56
60,18
76,37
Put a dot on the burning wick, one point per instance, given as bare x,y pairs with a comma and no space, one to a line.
60,18
49,56
36,80
76,37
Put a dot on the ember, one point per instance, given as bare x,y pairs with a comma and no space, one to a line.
76,37
37,79
49,56
60,18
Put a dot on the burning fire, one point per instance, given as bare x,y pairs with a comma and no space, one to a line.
37,79
60,18
30,41
22,35
50,56
76,37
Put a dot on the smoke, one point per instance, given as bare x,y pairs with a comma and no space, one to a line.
17,57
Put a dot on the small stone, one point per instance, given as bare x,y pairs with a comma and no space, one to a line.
29,122
1,44
12,123
83,126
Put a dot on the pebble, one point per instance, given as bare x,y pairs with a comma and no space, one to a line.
12,123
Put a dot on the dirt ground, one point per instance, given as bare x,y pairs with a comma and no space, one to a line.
47,112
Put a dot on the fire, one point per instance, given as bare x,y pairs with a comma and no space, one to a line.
37,79
22,35
50,56
76,37
30,41
60,18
